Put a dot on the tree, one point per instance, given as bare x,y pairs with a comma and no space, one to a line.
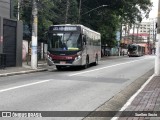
49,12
63,7
106,20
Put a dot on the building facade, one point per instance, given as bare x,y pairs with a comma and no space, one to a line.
11,35
5,8
143,33
149,28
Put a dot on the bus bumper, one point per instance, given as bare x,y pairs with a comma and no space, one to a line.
77,62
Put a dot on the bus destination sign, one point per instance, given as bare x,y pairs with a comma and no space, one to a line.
65,28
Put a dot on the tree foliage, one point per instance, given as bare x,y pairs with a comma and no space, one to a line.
106,20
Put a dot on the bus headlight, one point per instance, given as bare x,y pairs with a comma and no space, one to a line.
78,57
49,57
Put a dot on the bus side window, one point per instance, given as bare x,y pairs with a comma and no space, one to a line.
79,44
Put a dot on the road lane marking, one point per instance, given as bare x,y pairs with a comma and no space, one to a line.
134,96
106,67
30,84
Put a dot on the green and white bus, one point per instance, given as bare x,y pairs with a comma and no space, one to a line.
135,50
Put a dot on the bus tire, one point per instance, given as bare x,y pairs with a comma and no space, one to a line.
96,60
59,67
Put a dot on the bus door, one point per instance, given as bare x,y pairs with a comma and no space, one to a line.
84,43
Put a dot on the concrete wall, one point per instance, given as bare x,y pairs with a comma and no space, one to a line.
5,13
1,34
19,43
19,38
5,8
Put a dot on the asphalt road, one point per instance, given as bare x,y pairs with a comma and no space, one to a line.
71,89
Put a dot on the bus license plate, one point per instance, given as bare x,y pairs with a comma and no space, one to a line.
62,62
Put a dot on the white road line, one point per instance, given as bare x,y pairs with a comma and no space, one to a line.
30,84
133,96
106,67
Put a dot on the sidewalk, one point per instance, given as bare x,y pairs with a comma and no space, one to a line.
26,68
146,103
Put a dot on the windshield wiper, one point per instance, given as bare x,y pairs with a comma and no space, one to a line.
69,36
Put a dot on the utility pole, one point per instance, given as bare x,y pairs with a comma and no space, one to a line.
154,34
133,33
119,42
125,30
137,33
157,59
149,37
79,11
153,38
67,9
18,10
128,31
34,35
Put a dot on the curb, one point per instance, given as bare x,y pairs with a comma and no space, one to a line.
117,101
22,72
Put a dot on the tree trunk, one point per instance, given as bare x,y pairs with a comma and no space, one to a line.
67,9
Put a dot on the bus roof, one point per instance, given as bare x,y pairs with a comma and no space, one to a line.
77,25
133,44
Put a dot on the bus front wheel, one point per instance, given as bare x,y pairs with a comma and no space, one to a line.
96,60
59,67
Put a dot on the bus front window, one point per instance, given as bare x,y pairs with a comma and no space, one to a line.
132,48
65,41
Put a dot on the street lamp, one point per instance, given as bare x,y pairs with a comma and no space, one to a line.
90,10
94,9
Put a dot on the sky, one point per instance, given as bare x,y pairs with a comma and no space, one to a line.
154,11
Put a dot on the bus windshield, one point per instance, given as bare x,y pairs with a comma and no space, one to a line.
132,47
65,41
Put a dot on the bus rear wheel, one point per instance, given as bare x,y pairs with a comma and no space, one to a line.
96,60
